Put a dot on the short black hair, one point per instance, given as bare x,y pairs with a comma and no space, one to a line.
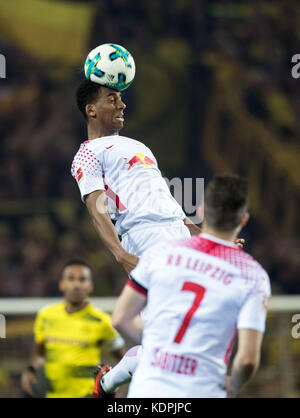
77,262
87,92
225,202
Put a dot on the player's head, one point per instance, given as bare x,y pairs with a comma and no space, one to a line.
76,281
226,204
101,106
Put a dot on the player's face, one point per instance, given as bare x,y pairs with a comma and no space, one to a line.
110,109
76,283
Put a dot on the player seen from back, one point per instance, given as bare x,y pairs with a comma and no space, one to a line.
69,338
119,181
199,292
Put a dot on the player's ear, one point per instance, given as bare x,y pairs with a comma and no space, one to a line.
200,213
245,219
90,110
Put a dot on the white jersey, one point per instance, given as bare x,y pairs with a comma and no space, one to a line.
199,291
127,170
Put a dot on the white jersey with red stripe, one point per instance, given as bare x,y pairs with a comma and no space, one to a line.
127,170
199,291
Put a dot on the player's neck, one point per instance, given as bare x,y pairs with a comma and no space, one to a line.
226,236
71,307
99,131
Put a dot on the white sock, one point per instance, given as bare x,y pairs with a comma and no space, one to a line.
123,371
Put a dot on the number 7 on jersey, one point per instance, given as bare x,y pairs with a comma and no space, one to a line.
199,294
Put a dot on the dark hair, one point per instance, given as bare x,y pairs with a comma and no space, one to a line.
87,92
225,202
77,262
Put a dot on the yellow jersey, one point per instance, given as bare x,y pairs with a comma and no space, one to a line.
73,347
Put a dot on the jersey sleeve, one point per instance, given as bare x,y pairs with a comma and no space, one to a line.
112,339
87,171
254,309
38,329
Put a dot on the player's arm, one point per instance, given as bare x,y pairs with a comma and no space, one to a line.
115,344
126,315
251,325
36,361
119,353
246,360
97,207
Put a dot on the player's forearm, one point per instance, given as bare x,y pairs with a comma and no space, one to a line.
119,353
194,229
36,361
108,235
126,316
242,372
131,328
97,208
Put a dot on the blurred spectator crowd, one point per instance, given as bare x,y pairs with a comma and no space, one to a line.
42,220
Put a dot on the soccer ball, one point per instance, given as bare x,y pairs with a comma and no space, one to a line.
110,65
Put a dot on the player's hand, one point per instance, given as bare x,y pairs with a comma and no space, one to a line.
227,387
28,381
240,242
128,261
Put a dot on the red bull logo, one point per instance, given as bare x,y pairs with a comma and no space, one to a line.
140,159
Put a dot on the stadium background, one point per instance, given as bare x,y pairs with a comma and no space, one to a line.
213,93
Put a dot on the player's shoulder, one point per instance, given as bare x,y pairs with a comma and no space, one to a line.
227,252
88,148
91,147
108,141
86,158
98,314
132,141
83,146
80,155
95,147
51,309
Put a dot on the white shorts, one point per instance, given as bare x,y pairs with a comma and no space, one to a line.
142,237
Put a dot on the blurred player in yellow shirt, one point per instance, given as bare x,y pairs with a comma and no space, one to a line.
69,337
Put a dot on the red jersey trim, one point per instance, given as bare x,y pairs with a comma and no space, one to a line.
136,286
